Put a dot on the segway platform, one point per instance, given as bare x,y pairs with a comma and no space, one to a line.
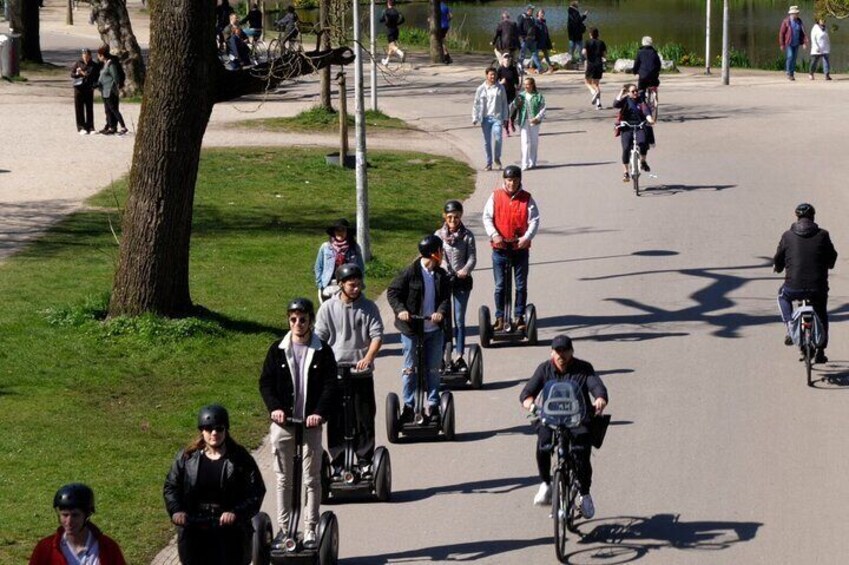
510,333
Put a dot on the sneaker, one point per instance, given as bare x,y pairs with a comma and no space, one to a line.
499,324
645,166
432,414
309,539
827,77
108,132
488,168
403,55
791,77
595,98
460,366
626,178
82,132
585,502
407,414
123,131
543,495
811,77
788,340
820,356
385,61
521,325
498,164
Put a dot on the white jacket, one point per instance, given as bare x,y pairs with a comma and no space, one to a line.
820,43
490,101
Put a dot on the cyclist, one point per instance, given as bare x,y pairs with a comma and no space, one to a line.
76,540
564,366
214,476
647,65
421,289
511,220
351,325
805,254
633,110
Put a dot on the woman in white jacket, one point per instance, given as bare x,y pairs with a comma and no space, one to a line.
820,47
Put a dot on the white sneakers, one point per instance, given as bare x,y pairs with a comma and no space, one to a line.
585,502
385,61
543,496
309,539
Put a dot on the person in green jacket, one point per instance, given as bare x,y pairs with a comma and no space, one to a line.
530,106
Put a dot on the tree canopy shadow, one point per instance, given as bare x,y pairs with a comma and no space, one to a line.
455,552
524,429
484,486
672,189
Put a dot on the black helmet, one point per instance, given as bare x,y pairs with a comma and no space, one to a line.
74,496
453,206
805,210
213,415
348,271
302,305
512,172
430,245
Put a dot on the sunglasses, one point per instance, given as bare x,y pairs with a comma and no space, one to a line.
210,429
298,320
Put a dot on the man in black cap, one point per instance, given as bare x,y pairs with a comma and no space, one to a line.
563,366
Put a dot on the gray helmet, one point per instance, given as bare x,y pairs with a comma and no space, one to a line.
512,172
74,496
805,210
213,415
302,305
348,271
429,245
453,206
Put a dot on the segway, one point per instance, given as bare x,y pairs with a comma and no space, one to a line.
288,547
510,332
420,425
209,518
374,481
449,374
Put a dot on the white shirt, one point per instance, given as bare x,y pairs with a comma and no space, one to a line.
490,101
429,300
90,554
299,374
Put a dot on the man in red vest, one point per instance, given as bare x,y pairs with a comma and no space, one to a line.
511,220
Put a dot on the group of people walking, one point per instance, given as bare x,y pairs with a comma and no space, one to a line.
105,75
792,38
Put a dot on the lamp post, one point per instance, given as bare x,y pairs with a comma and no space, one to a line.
373,48
360,125
726,62
707,38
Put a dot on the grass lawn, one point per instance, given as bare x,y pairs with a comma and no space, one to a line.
110,403
319,120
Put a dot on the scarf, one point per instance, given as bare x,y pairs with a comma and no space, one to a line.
341,249
449,237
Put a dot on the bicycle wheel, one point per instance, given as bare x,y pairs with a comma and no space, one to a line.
635,168
572,510
808,346
559,512
259,53
652,101
275,50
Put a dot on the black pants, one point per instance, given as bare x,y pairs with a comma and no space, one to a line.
819,302
364,411
84,108
626,137
225,545
581,448
113,114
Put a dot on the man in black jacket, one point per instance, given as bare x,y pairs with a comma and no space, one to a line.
422,289
563,366
575,28
647,65
506,39
805,253
298,382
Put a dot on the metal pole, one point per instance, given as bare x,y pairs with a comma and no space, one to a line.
69,15
707,38
725,59
360,126
373,48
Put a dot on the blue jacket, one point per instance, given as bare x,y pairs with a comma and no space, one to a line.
325,262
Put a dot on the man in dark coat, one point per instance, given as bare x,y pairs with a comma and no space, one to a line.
647,65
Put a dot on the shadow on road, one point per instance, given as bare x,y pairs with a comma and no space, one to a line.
833,376
524,429
485,486
671,189
470,551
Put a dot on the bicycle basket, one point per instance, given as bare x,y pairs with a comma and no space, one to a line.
562,404
817,330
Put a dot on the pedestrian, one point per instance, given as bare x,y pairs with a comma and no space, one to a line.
820,48
490,111
351,325
575,29
506,39
634,110
212,492
298,382
84,74
392,18
422,290
511,220
108,84
531,111
544,43
77,539
594,54
340,248
508,77
647,65
791,36
529,36
445,15
254,20
459,257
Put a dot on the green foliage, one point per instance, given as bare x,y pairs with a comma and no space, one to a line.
420,37
319,120
626,51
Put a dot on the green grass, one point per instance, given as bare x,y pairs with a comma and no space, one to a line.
319,120
110,403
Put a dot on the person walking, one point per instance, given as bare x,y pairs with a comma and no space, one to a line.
506,38
820,48
392,18
84,74
530,31
490,111
544,43
445,16
791,36
575,28
525,20
508,77
109,88
594,53
531,111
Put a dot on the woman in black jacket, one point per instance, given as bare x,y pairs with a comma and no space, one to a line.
212,492
84,74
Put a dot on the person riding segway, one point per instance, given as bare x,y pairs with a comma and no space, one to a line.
351,324
511,219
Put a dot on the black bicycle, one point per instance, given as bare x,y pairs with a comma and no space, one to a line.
807,344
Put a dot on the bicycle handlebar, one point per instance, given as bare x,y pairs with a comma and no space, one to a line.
626,125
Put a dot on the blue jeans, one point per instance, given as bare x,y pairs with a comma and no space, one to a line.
576,46
791,53
433,356
819,302
534,54
815,62
461,300
491,131
500,259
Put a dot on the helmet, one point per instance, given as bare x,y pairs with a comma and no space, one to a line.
74,496
430,245
512,172
213,415
453,206
302,305
348,271
805,210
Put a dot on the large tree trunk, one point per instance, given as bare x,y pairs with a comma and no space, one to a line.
23,19
153,269
435,42
324,74
113,24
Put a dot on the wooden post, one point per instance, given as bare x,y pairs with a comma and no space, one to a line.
69,15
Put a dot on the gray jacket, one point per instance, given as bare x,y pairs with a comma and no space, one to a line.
349,329
460,255
108,79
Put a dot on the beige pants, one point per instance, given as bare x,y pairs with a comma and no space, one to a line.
283,449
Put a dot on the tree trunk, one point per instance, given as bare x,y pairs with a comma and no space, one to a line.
324,74
435,27
24,19
116,31
153,267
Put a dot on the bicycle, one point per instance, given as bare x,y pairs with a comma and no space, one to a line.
634,161
285,42
652,100
805,338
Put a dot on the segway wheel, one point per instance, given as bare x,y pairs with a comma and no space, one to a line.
262,538
393,415
531,331
484,326
446,405
475,367
326,473
328,539
382,474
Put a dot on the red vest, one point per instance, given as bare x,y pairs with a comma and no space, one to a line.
510,215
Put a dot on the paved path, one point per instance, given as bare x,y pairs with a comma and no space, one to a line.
719,453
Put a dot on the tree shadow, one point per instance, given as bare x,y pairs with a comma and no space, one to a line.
672,189
455,552
485,486
234,325
5,171
524,429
